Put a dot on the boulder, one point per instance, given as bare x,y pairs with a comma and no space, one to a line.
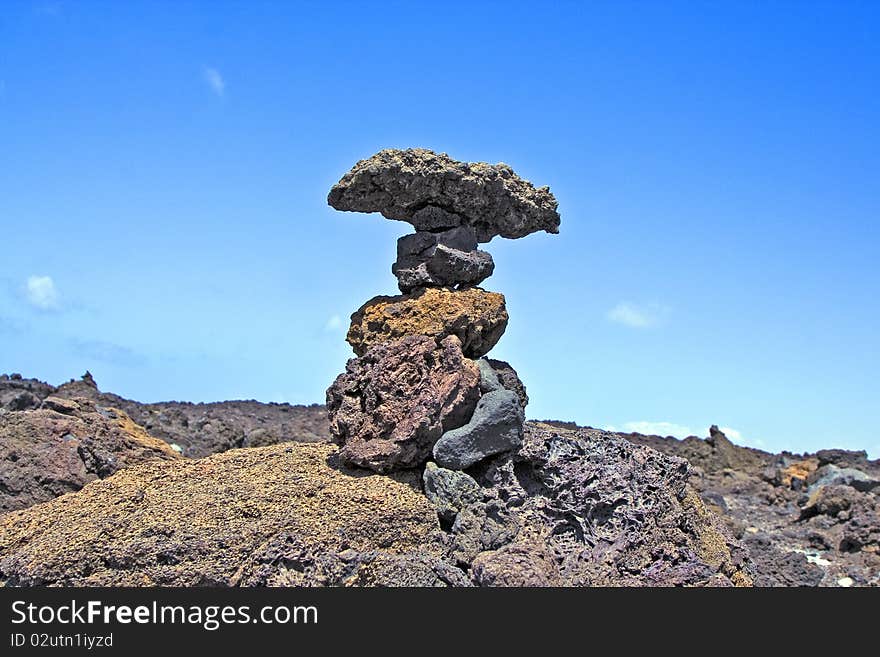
832,475
449,490
434,192
64,445
392,404
478,318
496,426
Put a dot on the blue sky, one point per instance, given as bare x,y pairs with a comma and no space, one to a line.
164,170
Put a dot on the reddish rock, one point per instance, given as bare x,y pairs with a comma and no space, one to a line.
63,446
391,405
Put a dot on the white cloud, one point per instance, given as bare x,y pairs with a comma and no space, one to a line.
215,81
333,324
41,292
634,316
737,437
658,429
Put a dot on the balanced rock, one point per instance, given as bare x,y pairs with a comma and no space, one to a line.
445,259
496,426
434,192
476,317
393,403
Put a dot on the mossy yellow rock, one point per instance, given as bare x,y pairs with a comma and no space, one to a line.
477,317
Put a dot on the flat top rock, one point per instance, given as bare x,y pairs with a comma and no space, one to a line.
432,191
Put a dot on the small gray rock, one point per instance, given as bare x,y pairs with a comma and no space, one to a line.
489,381
449,490
496,426
832,475
510,379
440,259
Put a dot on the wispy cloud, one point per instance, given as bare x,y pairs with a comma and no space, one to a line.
41,293
333,324
214,80
107,352
658,429
635,316
738,438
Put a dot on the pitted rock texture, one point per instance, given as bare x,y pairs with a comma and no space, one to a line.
280,515
496,426
64,445
568,509
434,192
445,259
573,508
393,403
476,317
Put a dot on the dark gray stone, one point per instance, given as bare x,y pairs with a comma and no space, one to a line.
449,490
440,259
496,426
510,379
489,381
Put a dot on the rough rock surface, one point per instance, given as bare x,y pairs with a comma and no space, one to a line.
196,429
20,394
496,426
62,446
826,536
445,259
280,515
393,403
478,318
567,509
434,192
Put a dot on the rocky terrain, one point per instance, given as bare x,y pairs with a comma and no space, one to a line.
421,469
193,429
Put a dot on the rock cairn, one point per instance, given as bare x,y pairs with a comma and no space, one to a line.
420,387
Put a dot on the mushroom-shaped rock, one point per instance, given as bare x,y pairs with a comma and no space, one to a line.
434,192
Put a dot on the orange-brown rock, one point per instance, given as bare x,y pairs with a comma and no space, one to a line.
64,445
478,318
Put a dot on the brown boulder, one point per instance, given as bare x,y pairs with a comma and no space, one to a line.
478,318
64,445
392,404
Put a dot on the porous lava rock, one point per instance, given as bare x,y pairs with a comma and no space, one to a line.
393,403
476,317
434,192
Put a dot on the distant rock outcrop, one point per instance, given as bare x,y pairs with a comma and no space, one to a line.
64,445
195,429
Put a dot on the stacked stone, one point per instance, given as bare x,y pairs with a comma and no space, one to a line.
420,385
